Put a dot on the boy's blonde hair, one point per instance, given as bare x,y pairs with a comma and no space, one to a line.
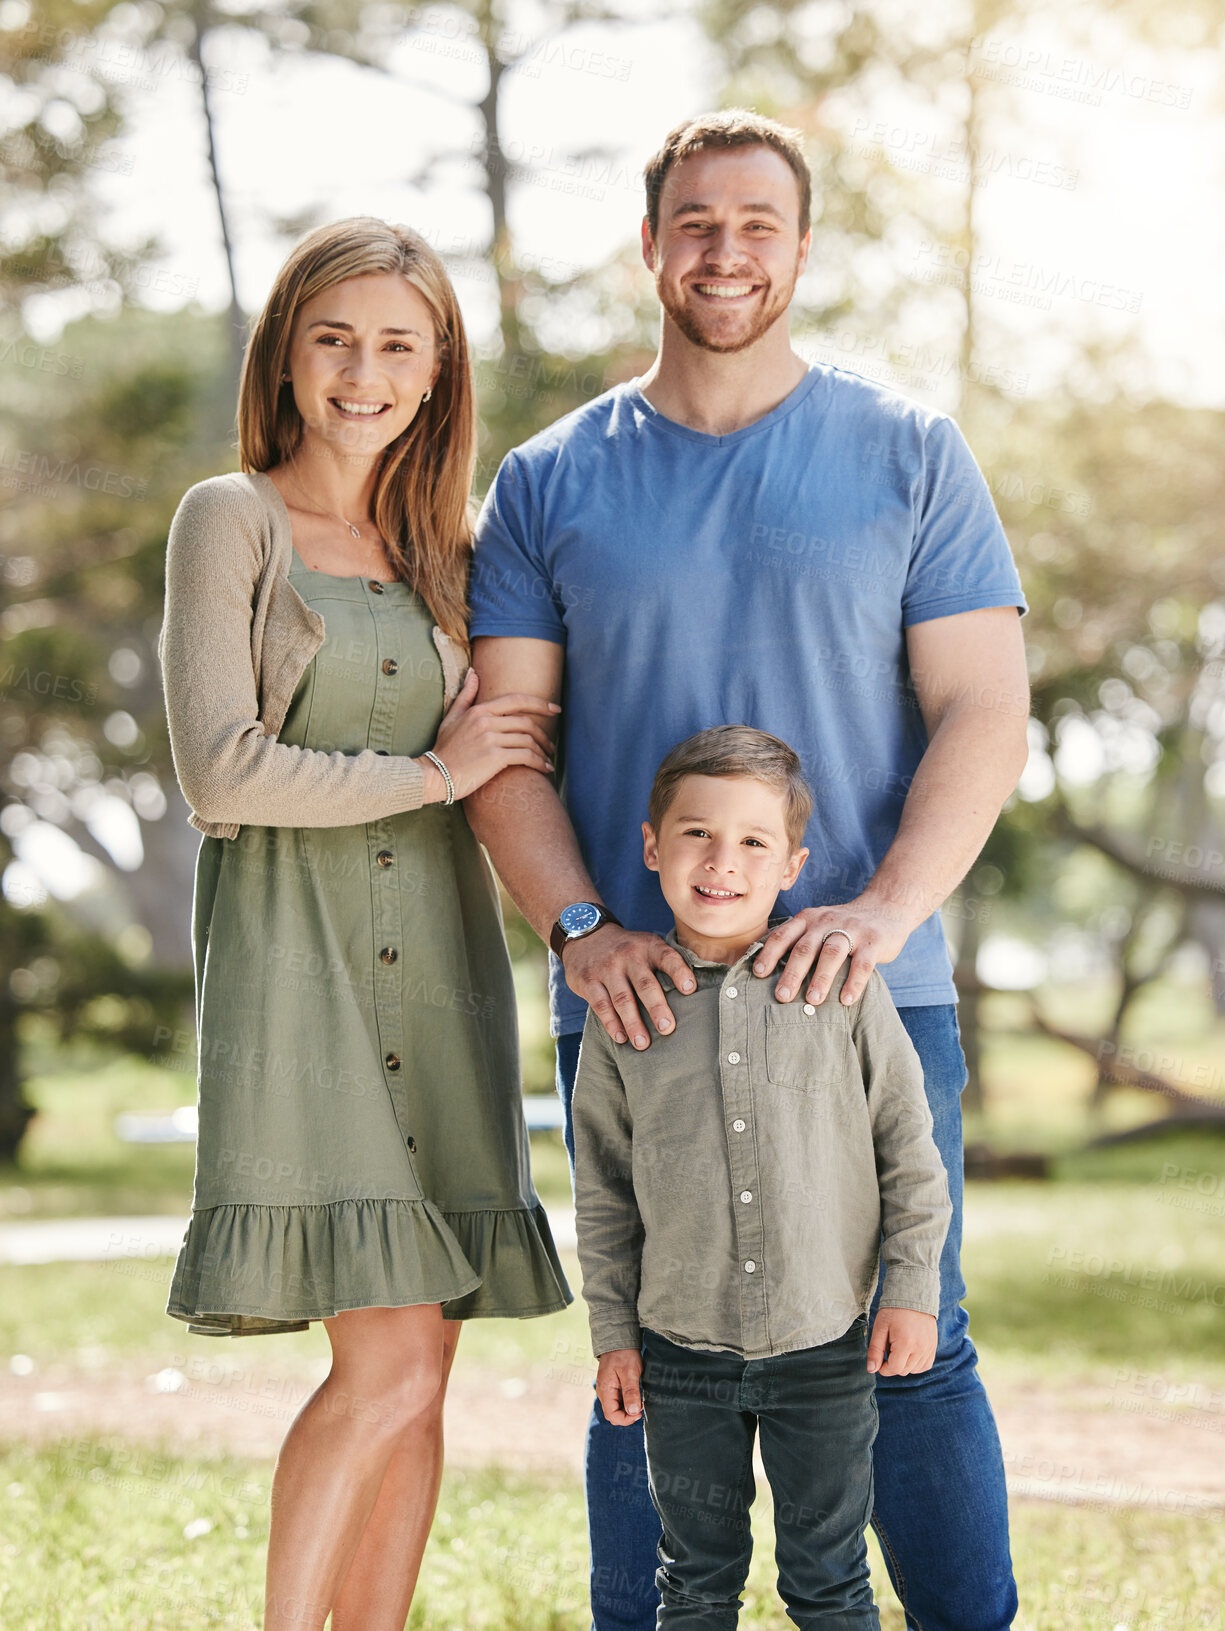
736,750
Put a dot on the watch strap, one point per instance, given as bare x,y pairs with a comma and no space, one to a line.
558,936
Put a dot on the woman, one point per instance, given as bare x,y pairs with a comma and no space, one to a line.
362,1157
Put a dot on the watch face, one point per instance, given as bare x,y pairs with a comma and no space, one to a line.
579,918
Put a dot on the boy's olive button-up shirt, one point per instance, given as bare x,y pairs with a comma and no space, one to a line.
733,1181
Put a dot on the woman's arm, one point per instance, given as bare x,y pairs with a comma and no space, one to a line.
229,770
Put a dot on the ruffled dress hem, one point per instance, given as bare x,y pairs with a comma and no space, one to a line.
249,1270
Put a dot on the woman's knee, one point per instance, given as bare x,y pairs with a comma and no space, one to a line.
390,1371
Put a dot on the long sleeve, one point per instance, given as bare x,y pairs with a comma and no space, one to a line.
608,1223
914,1191
229,769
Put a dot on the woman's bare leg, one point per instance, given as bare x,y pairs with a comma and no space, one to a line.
386,1371
377,1592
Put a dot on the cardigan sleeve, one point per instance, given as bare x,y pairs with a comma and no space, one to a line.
228,768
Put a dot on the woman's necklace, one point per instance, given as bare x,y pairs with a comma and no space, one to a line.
321,510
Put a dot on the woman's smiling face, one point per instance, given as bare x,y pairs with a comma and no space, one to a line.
361,358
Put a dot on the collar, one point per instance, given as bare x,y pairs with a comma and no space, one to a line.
695,961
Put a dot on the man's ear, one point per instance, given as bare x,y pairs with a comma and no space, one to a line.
793,869
805,246
648,245
650,847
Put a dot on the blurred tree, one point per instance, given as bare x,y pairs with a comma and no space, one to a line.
61,115
91,813
908,119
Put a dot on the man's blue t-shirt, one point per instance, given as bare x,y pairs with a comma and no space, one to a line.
763,578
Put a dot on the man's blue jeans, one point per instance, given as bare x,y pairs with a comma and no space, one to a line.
941,1509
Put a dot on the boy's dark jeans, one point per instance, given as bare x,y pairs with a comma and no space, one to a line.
816,1412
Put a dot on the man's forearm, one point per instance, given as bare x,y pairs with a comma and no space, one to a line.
522,822
972,763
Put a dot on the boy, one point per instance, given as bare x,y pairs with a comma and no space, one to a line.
735,1187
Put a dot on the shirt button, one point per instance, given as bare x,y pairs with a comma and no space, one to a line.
733,1058
746,1195
392,1061
737,1126
385,857
388,954
376,588
390,665
750,1267
731,990
809,1009
412,1145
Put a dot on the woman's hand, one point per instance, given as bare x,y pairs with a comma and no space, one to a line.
476,740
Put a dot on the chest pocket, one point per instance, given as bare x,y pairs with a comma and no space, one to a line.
808,1052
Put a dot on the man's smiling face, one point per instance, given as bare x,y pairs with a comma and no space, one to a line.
727,250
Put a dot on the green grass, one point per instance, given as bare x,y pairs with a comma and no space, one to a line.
93,1533
1110,1272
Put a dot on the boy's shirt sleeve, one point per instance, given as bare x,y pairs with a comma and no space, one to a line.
914,1189
511,589
607,1219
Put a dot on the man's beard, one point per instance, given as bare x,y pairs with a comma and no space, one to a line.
690,325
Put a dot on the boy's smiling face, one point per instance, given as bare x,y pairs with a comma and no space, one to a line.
723,857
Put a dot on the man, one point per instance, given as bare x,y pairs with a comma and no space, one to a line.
739,538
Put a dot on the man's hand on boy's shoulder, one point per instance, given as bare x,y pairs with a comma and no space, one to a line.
817,941
613,969
903,1342
618,1386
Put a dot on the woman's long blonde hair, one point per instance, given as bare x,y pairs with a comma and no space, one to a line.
421,496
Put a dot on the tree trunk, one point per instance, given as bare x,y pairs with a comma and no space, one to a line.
15,1110
965,976
202,20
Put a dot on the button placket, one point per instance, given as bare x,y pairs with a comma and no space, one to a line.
387,924
735,1077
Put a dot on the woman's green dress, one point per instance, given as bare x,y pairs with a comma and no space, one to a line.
361,1138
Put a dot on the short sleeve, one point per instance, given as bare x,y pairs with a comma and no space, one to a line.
511,590
960,560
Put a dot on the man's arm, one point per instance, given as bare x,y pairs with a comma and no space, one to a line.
522,822
972,687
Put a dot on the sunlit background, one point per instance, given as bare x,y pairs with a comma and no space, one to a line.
1019,220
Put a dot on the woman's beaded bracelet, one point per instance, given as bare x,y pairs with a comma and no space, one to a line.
446,774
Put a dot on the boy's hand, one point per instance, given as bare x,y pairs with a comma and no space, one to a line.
910,1338
616,1386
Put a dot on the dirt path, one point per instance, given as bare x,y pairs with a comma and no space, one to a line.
1083,1447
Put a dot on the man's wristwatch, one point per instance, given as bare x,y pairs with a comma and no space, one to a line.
578,921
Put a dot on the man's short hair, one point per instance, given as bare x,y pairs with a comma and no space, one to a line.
731,127
736,750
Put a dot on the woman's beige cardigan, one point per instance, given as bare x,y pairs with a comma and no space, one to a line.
235,641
